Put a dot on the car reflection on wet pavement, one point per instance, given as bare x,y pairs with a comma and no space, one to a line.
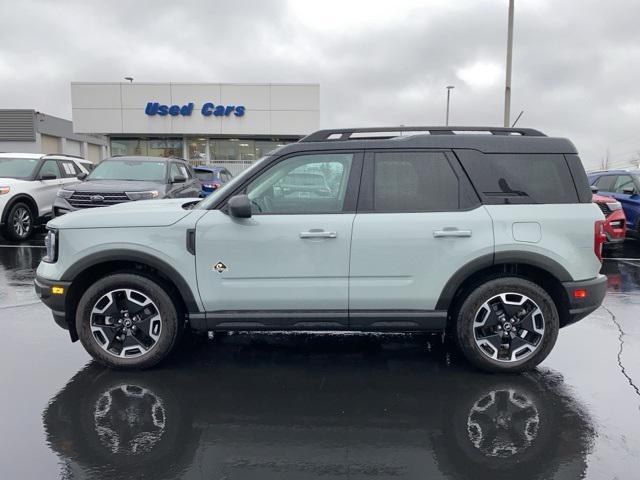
308,406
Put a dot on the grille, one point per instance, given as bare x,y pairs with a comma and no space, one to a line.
83,199
605,209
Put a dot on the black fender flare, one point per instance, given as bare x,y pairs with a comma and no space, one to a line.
136,257
499,258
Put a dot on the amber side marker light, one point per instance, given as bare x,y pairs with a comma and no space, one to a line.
57,290
580,293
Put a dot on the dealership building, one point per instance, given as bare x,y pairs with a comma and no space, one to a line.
230,123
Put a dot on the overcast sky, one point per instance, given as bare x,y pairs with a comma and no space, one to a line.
575,68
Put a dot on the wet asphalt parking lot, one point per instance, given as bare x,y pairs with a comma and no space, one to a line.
298,406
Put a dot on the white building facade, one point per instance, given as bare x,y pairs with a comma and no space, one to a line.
203,122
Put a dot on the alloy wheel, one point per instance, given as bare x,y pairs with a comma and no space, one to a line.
126,323
508,327
21,222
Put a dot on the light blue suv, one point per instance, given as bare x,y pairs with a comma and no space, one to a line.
486,233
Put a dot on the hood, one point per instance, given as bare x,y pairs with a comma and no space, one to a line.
602,199
143,213
115,186
11,181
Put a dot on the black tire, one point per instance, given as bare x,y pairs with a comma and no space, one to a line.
470,308
19,222
169,330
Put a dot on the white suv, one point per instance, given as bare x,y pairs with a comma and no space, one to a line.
28,186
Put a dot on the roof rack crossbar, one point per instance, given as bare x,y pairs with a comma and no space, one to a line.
342,134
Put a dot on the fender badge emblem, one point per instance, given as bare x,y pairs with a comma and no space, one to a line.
220,267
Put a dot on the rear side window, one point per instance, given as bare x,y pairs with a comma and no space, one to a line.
414,182
69,169
519,178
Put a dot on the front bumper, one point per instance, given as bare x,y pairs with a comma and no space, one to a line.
579,307
55,301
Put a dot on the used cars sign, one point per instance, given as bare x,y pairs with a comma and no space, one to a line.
208,109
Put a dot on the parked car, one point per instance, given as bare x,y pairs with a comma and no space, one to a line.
211,177
615,220
28,186
624,186
124,179
491,237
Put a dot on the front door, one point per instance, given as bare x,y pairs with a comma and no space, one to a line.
47,189
418,222
289,262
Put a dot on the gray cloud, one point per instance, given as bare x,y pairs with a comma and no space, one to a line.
575,62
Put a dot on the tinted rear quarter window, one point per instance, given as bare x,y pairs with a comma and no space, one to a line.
519,178
414,182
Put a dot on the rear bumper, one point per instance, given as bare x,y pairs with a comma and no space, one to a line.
615,227
56,302
595,290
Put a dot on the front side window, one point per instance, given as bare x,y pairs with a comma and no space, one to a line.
414,182
624,182
20,168
605,183
302,184
130,170
50,167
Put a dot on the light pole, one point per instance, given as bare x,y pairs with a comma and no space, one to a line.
129,78
507,83
449,88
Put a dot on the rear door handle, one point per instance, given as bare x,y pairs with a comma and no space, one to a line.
317,233
451,232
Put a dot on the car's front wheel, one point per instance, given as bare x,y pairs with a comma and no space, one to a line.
507,324
19,223
127,321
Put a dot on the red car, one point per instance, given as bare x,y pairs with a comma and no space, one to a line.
615,221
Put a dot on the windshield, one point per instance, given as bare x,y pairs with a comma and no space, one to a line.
21,168
130,170
206,203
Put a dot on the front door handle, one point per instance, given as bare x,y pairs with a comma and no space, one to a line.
451,232
317,233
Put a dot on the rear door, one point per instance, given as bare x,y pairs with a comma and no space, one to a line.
418,222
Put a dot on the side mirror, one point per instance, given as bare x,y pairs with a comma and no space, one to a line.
179,179
594,189
81,176
240,206
629,191
48,176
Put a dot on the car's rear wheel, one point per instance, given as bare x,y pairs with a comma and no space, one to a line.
127,321
508,324
19,223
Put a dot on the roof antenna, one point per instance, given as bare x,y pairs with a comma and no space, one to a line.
517,118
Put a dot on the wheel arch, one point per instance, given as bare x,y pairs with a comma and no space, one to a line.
25,198
82,273
543,271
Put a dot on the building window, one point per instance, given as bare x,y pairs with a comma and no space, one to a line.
153,147
197,150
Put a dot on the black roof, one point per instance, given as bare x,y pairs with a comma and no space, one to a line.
484,139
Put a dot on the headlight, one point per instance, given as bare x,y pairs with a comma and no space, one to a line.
614,205
148,195
4,190
51,244
65,193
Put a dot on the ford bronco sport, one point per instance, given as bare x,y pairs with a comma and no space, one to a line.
489,234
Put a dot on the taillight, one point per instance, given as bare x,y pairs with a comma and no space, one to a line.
598,238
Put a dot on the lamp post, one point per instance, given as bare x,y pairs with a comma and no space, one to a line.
507,83
129,78
449,88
